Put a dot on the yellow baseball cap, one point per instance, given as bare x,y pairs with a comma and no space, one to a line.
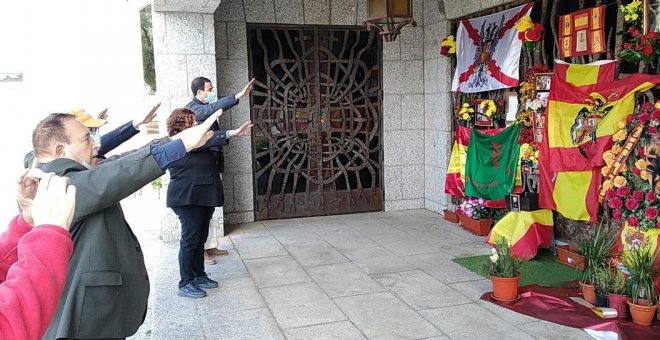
87,119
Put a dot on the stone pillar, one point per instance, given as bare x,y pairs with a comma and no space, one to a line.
437,99
184,48
403,115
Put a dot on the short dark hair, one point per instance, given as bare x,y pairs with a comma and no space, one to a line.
179,120
198,84
50,129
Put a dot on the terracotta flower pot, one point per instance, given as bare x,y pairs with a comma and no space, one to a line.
589,293
618,302
477,227
569,256
451,216
642,314
505,288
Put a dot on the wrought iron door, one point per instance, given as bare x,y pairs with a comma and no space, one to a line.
316,109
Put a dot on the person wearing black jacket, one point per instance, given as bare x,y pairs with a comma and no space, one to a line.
195,189
204,103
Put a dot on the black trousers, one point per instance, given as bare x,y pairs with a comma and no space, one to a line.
194,231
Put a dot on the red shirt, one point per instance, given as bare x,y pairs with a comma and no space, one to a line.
33,271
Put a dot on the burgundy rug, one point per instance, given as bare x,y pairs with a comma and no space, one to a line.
553,304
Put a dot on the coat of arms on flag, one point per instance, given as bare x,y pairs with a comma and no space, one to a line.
488,51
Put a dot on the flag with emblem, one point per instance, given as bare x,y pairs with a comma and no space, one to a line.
488,51
492,163
583,123
574,194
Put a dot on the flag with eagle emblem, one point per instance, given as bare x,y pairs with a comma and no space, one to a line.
488,51
492,162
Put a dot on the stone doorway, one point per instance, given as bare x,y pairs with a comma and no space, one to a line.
316,108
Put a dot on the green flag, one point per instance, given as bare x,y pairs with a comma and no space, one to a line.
492,161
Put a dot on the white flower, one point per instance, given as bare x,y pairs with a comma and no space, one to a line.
493,250
493,258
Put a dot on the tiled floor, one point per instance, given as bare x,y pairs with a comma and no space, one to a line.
377,276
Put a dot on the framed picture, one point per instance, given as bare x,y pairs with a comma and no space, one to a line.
651,16
542,81
480,119
515,202
539,120
511,106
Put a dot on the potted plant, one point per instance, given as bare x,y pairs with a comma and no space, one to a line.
504,272
571,255
595,254
640,262
475,217
602,283
615,285
450,214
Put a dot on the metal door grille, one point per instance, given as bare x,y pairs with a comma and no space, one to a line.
316,107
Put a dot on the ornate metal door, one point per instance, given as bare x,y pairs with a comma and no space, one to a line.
316,109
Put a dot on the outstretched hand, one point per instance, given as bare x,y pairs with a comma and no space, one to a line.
243,130
54,202
146,118
247,89
103,114
197,135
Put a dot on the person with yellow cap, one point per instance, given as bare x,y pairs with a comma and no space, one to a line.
110,140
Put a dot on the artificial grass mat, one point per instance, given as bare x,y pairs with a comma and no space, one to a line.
542,270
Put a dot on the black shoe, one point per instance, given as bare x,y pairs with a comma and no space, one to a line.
192,290
205,282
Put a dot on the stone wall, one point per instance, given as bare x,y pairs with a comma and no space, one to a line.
184,48
459,8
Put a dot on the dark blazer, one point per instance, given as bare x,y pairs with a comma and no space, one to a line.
194,179
203,110
114,138
107,286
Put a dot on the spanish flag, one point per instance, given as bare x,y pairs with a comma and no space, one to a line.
455,179
574,194
525,230
583,123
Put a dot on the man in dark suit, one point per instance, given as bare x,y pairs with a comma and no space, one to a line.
107,286
204,103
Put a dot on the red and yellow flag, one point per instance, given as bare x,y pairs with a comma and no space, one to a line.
583,123
574,194
525,230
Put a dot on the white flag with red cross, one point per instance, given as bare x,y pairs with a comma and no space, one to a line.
488,51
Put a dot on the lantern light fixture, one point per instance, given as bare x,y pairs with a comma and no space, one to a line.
389,16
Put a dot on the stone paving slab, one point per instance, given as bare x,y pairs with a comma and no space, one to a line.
377,260
276,271
301,304
292,234
254,229
344,279
247,324
420,290
406,244
440,266
383,314
315,254
258,247
347,239
548,330
339,330
472,321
